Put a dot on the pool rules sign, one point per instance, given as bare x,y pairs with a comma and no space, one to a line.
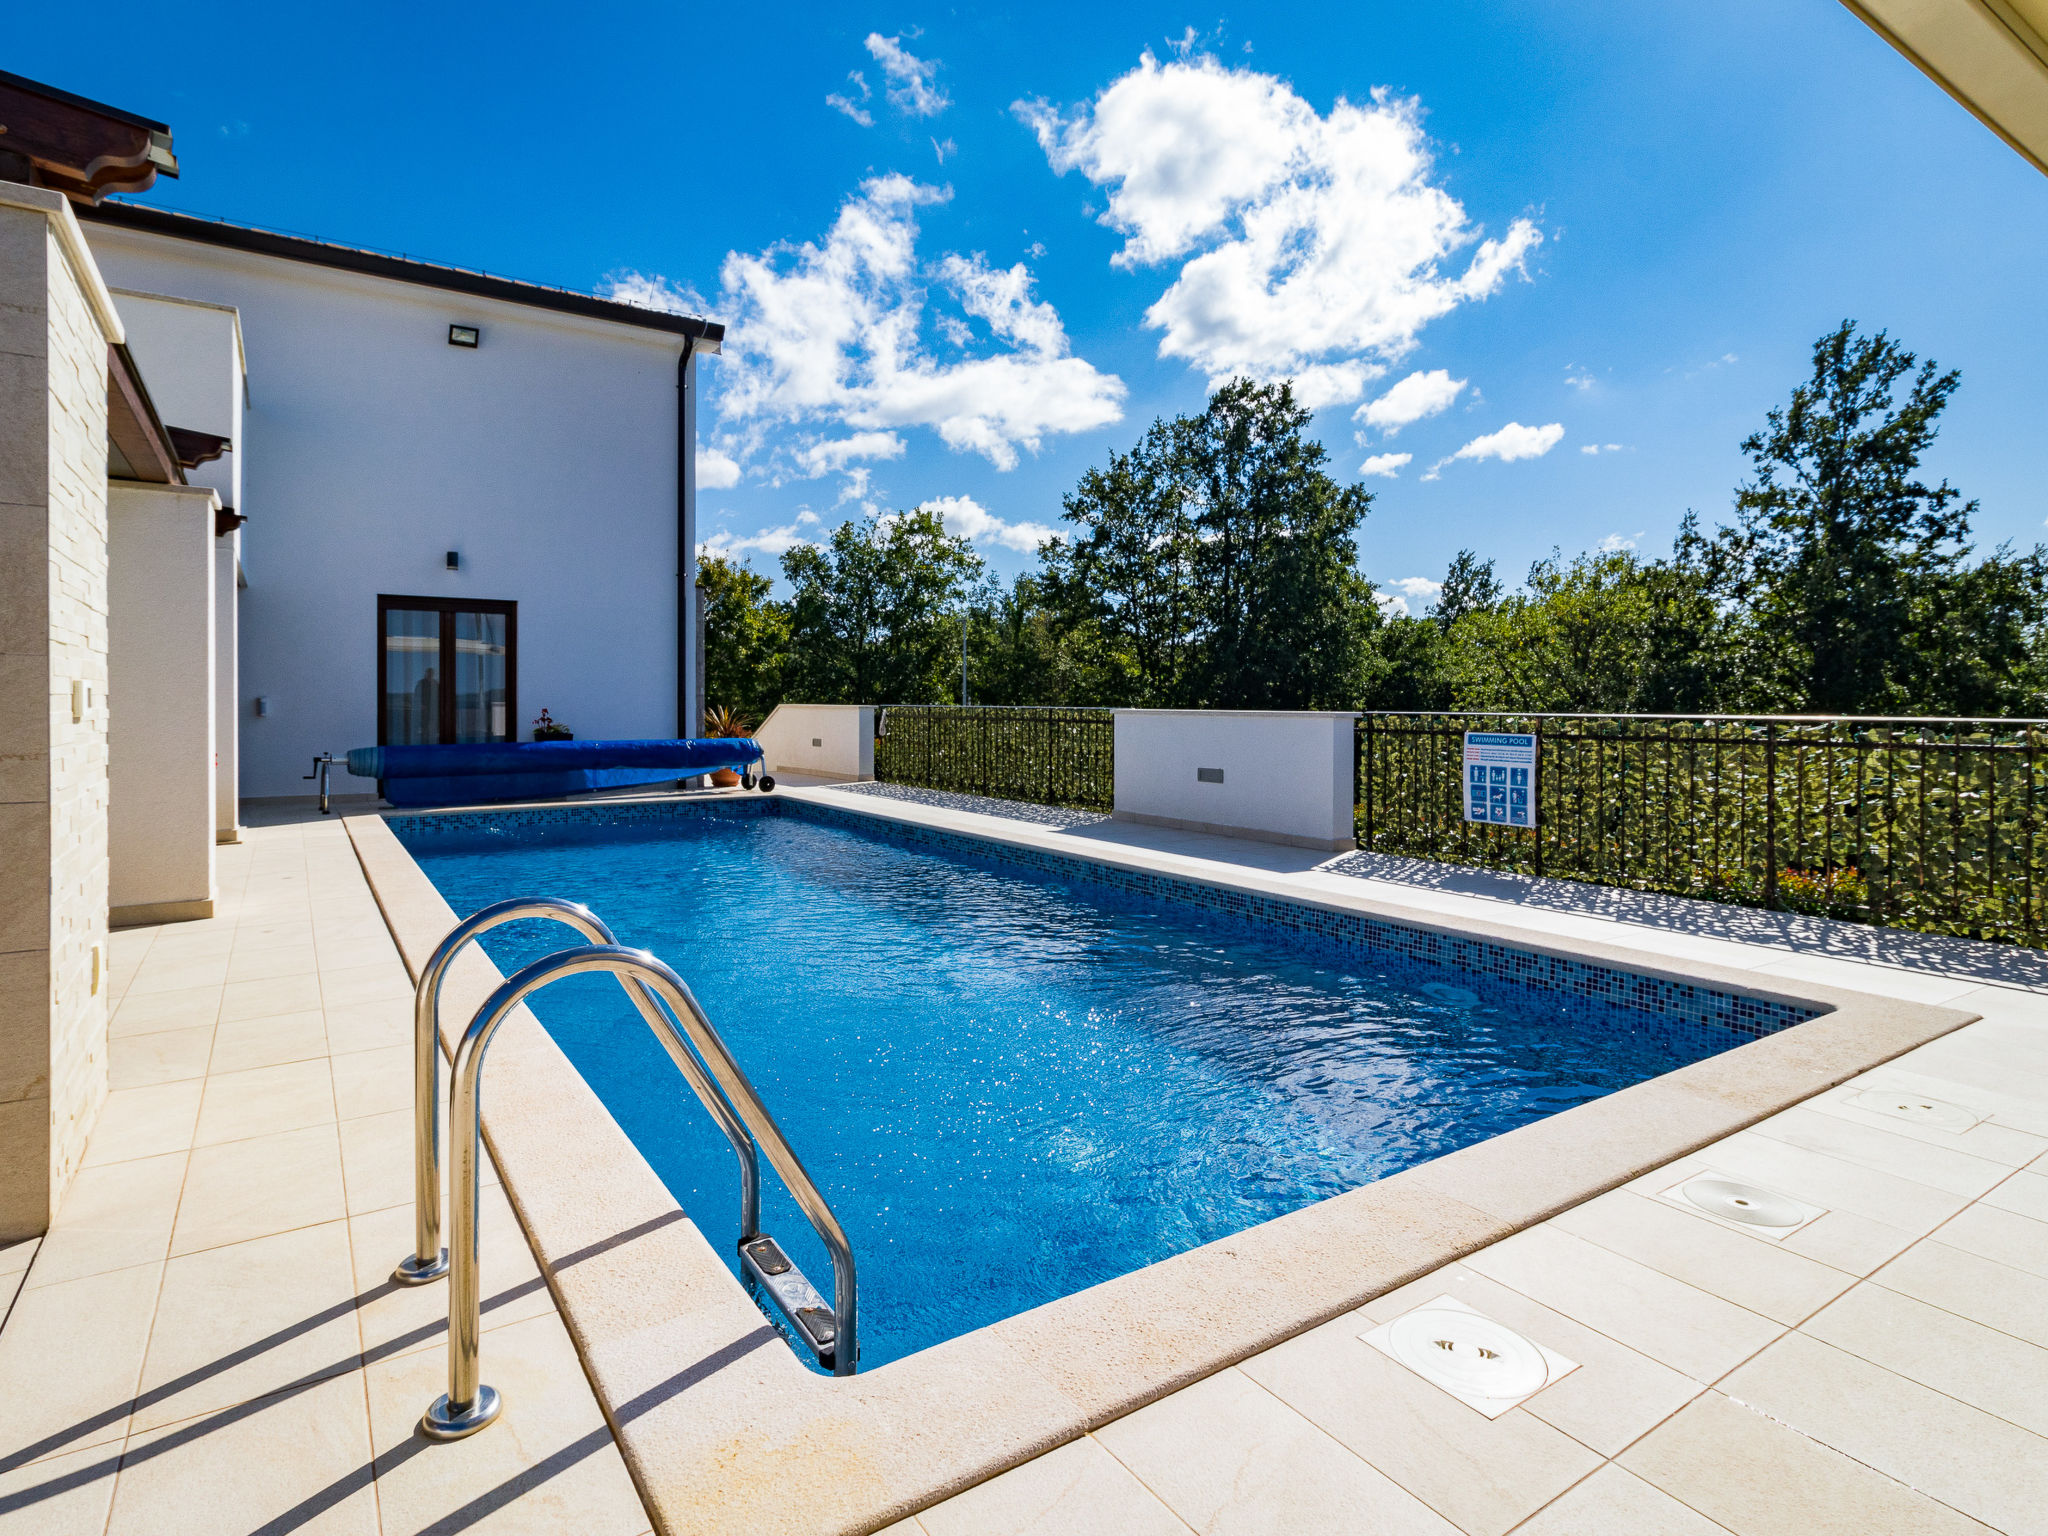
1500,778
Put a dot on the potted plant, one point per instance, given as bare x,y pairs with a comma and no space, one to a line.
723,723
547,728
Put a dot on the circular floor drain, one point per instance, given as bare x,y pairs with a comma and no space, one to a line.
1467,1353
1745,1203
1939,1113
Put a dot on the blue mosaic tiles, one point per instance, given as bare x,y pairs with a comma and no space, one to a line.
1334,932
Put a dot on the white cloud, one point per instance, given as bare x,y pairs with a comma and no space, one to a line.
773,542
1581,380
944,149
716,470
832,333
646,291
833,454
1513,441
1420,589
1593,448
1316,246
966,518
854,109
1417,396
1386,465
1614,543
910,78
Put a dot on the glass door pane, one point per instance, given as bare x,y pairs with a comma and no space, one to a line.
412,676
480,676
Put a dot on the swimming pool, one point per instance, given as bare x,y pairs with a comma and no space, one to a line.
1013,1082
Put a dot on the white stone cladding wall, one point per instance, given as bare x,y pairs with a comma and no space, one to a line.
53,770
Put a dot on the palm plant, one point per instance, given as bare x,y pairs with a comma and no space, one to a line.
722,722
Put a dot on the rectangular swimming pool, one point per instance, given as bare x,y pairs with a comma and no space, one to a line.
1015,1074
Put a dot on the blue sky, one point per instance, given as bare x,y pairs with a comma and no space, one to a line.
1512,232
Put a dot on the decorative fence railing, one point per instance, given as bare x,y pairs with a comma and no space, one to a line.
1935,825
1055,756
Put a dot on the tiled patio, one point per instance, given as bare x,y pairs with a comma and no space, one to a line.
207,1341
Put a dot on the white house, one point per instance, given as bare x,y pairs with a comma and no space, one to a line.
444,476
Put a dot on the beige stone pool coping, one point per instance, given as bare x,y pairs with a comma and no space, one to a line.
721,1426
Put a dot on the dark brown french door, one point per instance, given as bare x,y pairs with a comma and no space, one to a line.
447,671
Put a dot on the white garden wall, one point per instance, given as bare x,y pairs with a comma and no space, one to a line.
1275,776
826,741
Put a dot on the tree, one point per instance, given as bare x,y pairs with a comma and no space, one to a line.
873,618
746,637
1842,554
1122,586
1286,615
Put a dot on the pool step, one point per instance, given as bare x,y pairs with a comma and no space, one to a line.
807,1312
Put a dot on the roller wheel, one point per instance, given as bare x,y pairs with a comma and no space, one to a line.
767,783
746,781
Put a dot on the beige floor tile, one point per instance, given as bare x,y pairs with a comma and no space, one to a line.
178,973
1614,1396
1672,1322
1970,1362
1760,1276
265,1100
373,1082
1761,1478
403,1319
71,1355
1616,1503
356,947
1226,1455
1981,1289
275,995
240,1045
144,1122
255,935
377,1161
297,1462
2024,1194
2004,1236
548,1465
113,1217
249,1320
1987,1139
61,1496
265,962
1969,1460
15,1257
1869,1146
372,983
369,1027
1076,1490
1853,1244
246,1189
1484,1475
144,1014
166,1056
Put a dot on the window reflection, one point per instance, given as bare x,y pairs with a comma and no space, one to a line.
412,667
480,677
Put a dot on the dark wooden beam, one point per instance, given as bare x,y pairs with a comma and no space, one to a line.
136,440
81,148
195,448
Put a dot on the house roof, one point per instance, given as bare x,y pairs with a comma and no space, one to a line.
708,335
77,146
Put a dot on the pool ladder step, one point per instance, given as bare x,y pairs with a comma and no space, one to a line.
826,1327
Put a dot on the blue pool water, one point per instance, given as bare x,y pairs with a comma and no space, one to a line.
1011,1087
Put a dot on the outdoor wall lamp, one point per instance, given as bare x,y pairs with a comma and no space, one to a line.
464,335
454,559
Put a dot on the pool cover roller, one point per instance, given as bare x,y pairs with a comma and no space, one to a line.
537,770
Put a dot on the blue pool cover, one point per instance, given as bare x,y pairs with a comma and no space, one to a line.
477,773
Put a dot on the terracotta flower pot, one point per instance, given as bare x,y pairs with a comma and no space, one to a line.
724,778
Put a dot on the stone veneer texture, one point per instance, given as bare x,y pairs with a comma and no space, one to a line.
53,772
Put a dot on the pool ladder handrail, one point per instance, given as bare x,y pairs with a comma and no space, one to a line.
428,1259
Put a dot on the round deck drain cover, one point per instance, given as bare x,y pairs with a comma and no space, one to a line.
1939,1113
1745,1203
1467,1353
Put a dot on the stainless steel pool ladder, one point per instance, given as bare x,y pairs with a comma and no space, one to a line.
829,1329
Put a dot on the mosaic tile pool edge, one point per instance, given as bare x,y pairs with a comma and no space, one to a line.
1683,1002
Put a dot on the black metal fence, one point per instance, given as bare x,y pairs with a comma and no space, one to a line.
1935,825
1047,756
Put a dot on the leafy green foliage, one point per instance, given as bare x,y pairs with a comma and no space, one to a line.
746,638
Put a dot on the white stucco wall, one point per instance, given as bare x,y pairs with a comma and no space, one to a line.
160,699
193,364
369,447
1287,777
831,741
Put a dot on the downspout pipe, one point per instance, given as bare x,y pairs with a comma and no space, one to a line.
686,474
